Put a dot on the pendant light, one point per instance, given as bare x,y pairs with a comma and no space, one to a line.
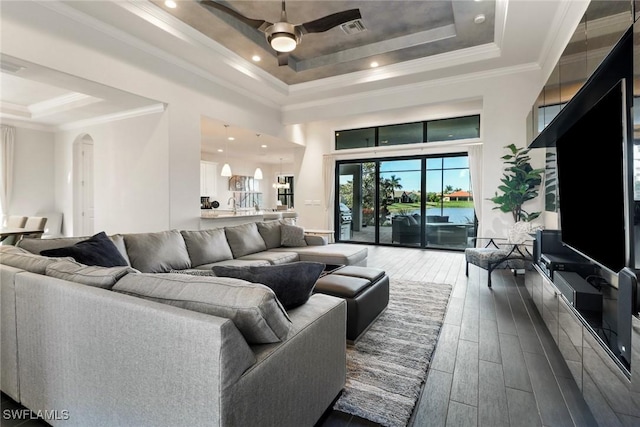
258,173
278,185
226,169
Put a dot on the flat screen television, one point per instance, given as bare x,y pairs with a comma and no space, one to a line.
592,169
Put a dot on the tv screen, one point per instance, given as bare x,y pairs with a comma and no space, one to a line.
591,190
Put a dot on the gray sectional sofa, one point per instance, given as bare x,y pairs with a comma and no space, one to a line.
258,243
87,342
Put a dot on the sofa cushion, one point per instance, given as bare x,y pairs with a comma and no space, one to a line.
118,240
35,245
292,283
207,246
100,277
244,239
157,252
25,260
292,236
97,250
270,232
272,257
335,253
252,307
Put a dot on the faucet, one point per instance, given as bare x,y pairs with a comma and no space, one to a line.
232,202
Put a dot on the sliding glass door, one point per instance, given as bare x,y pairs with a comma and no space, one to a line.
423,202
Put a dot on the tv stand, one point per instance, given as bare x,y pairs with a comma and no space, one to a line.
588,343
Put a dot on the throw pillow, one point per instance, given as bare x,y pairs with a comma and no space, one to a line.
292,283
270,232
97,250
244,239
292,236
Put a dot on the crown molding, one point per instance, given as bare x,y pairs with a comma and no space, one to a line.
413,87
141,9
172,25
548,54
136,112
61,103
9,108
24,124
415,66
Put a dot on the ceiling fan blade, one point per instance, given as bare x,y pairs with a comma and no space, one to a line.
283,58
329,21
255,23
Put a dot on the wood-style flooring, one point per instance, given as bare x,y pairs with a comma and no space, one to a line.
495,363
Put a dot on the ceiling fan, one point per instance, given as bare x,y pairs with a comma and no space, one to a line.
284,36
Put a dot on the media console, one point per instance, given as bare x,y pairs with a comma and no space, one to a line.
601,348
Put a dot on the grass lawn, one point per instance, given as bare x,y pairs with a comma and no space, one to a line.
395,207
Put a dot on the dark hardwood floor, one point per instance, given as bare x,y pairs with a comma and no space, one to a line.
495,363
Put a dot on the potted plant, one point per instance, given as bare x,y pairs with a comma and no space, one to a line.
520,183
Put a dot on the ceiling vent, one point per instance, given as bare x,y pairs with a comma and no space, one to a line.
10,67
353,27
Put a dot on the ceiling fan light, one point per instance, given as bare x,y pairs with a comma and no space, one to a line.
226,170
257,174
283,42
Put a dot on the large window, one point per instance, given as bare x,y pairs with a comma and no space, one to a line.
419,201
409,133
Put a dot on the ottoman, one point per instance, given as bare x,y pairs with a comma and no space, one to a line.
366,291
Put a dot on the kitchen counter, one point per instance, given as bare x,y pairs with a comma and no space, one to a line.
216,218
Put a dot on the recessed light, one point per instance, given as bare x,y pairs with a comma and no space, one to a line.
220,150
374,64
263,146
170,4
479,19
231,138
255,58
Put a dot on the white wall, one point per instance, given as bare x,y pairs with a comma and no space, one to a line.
131,174
33,173
149,166
502,100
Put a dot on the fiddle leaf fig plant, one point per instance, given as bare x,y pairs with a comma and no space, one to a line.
520,183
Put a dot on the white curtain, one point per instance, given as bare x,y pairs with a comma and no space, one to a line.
328,179
6,167
475,170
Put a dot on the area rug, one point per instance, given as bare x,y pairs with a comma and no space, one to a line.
388,365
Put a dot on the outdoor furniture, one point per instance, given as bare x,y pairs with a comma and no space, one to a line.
405,229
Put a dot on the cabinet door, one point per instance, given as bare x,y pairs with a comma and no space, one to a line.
208,178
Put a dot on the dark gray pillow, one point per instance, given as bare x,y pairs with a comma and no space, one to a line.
98,250
292,283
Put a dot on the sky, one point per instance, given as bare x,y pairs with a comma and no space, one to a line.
441,172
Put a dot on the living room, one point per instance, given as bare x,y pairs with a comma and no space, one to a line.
164,147
147,177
